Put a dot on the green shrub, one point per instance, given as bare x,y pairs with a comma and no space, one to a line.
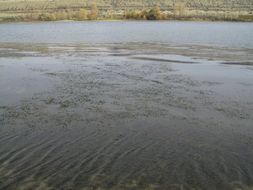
81,15
47,17
61,15
248,17
152,14
93,14
155,14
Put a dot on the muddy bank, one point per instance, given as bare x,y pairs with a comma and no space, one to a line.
102,121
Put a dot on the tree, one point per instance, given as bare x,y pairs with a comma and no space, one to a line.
93,14
82,14
154,14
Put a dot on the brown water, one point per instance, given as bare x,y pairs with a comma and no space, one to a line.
125,116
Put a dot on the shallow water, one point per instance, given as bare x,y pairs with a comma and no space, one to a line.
130,115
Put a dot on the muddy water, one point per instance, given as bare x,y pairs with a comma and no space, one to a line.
125,116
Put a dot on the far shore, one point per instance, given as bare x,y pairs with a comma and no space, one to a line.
150,14
125,20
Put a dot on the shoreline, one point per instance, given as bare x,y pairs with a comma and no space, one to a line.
128,20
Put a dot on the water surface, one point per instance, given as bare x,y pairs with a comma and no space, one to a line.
226,34
126,105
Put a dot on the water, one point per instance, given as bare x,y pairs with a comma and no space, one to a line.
203,33
126,105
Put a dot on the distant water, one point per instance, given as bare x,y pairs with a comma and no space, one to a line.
235,35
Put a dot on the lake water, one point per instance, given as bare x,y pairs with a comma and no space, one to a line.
126,105
203,33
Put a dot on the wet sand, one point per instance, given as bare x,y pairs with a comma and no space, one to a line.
121,116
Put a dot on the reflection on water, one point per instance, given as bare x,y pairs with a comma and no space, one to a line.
125,116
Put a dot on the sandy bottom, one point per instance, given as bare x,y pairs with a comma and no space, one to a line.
125,116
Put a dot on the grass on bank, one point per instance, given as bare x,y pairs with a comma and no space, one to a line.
180,11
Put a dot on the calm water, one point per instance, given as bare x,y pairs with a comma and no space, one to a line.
204,33
126,106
